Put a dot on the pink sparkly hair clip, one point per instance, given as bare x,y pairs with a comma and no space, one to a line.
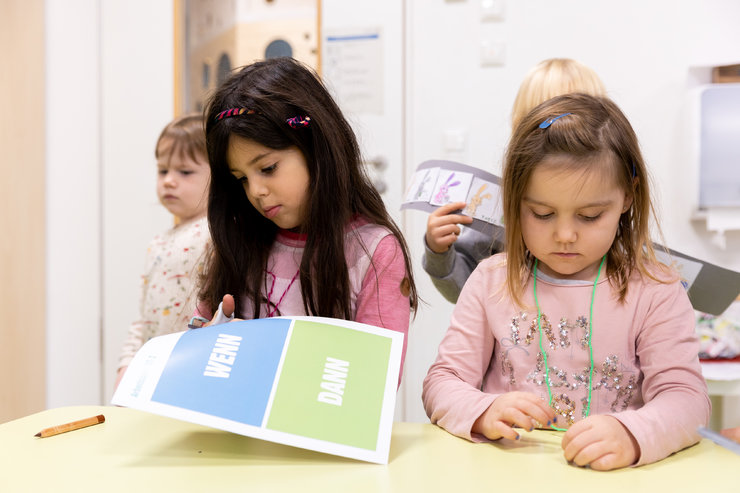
294,122
298,121
234,112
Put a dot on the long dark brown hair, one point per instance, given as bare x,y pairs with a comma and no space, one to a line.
594,131
275,90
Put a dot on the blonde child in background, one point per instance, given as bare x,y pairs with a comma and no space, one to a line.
297,227
452,252
174,258
577,326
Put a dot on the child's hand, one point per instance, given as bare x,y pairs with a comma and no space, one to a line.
228,305
225,312
732,433
513,409
601,442
442,226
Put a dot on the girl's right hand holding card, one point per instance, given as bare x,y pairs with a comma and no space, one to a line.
442,226
513,409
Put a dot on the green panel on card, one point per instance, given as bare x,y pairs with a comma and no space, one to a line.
331,385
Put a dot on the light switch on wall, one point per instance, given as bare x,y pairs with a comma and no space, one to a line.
455,144
492,53
492,10
455,140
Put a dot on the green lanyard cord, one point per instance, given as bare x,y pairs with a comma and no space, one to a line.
590,346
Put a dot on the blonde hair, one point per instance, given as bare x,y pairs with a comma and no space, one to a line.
595,135
553,77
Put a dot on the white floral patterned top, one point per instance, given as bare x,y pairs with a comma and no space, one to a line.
174,261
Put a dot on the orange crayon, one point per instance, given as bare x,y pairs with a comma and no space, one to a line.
74,425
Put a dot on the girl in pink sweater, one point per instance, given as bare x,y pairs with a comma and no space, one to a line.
297,226
577,327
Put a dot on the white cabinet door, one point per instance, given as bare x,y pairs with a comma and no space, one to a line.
362,62
366,55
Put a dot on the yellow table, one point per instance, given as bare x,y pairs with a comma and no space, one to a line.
137,452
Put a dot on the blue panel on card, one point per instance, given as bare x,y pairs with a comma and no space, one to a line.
224,362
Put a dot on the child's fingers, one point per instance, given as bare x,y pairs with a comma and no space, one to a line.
542,413
589,449
601,442
228,305
504,430
448,219
572,443
454,219
587,454
442,226
514,409
606,462
517,417
447,230
537,409
732,433
446,209
440,235
224,313
579,444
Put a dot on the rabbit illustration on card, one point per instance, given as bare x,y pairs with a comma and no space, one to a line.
477,199
443,194
423,186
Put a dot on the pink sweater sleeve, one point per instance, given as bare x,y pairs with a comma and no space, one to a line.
673,388
451,391
203,310
381,301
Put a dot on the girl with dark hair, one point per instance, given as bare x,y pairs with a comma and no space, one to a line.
577,327
297,227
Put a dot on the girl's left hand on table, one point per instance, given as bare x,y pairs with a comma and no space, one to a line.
600,442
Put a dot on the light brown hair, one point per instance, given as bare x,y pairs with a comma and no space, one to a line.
594,131
188,136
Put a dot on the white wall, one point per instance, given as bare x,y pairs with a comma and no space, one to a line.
109,93
73,202
650,56
137,102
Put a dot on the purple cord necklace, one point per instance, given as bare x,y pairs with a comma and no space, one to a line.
274,311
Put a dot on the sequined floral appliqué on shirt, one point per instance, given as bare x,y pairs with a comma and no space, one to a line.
569,385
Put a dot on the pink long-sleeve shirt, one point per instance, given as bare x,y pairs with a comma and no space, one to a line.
377,271
646,367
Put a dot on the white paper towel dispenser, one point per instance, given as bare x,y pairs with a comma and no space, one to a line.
719,170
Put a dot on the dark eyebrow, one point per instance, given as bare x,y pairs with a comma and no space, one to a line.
259,157
256,159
